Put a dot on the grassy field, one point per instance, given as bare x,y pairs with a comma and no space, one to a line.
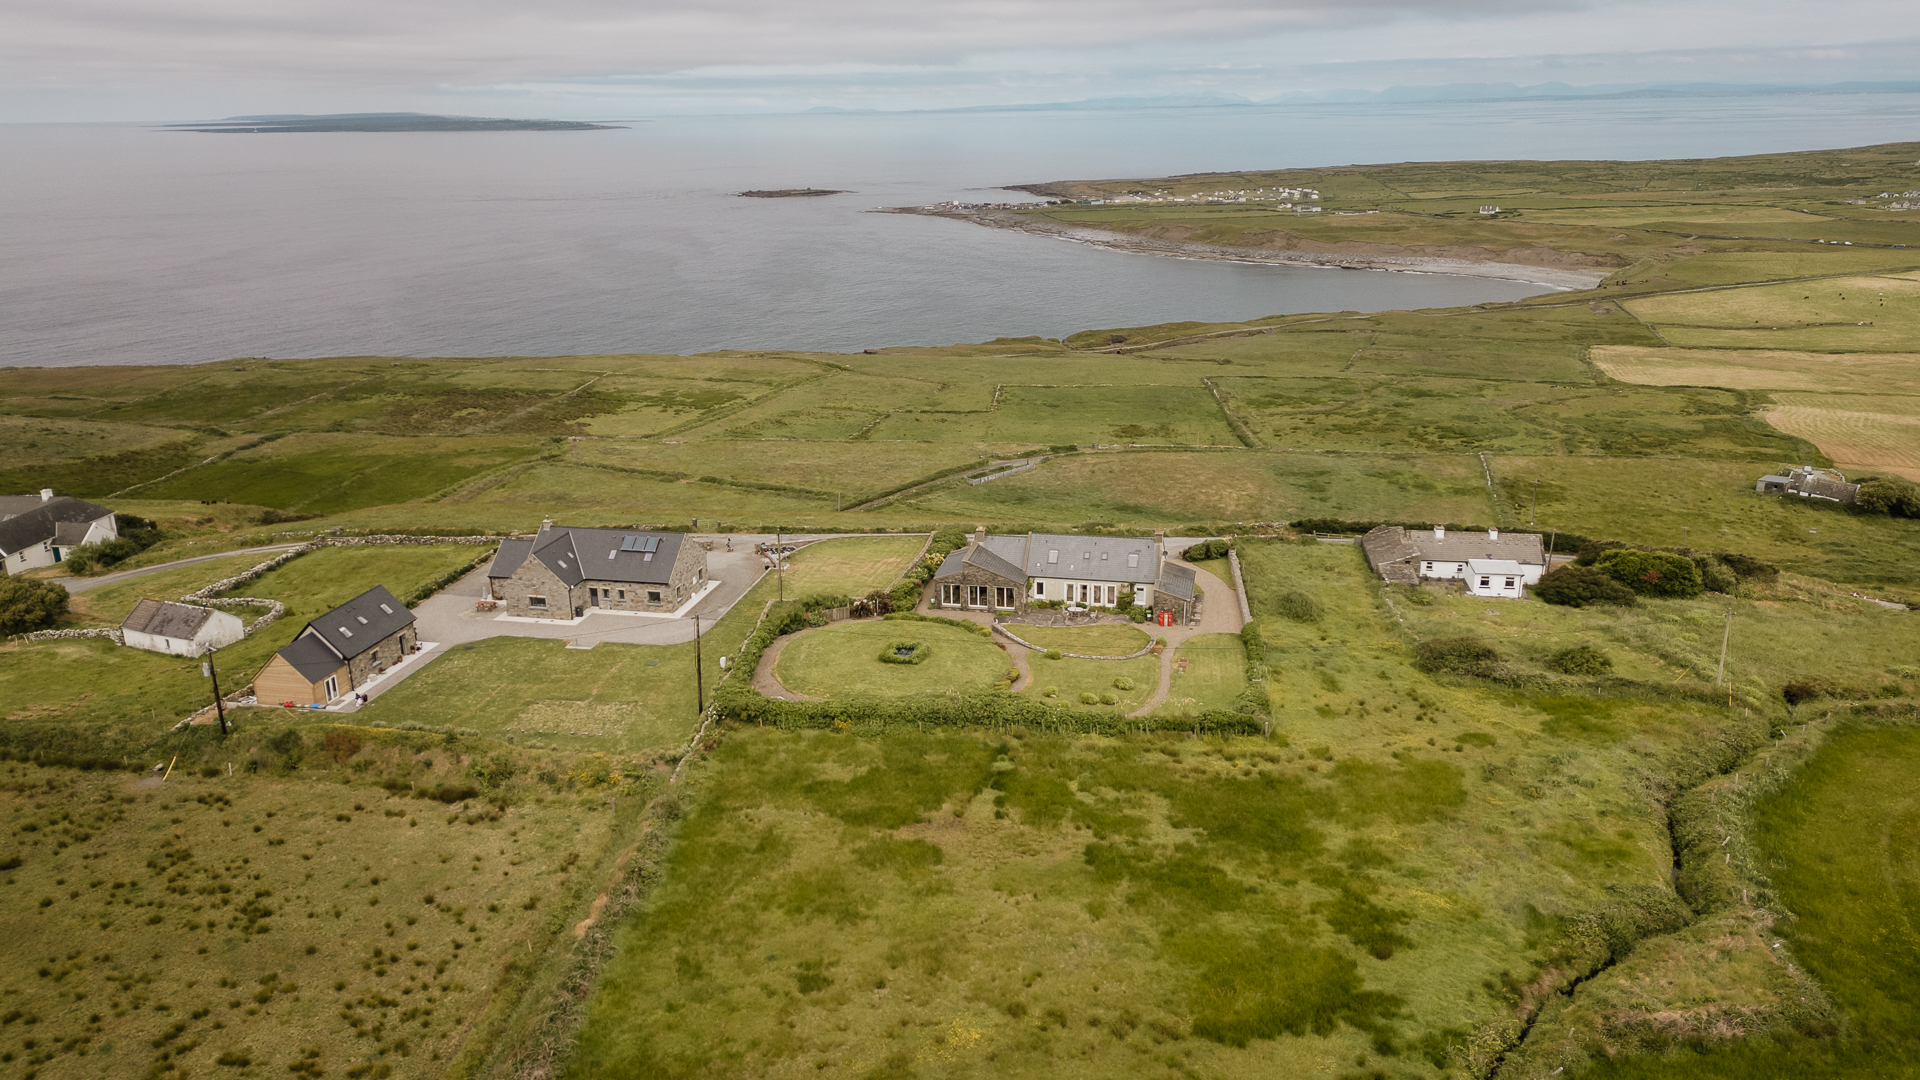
844,659
854,566
264,925
1110,639
1761,369
1858,314
1214,673
1858,432
1066,679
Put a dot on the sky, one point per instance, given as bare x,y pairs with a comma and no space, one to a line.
158,60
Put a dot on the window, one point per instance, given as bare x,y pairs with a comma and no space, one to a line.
362,618
537,603
648,557
386,609
563,564
1133,559
1509,583
653,596
1040,589
1002,597
1086,556
1113,595
1426,567
346,632
333,687
1103,556
1053,557
623,594
1485,582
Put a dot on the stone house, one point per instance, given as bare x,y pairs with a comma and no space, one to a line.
180,629
340,651
1490,564
1811,483
563,571
1010,573
44,530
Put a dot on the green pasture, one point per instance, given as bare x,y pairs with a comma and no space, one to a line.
1861,314
844,659
1106,639
253,925
850,566
322,472
1216,673
1071,676
1709,505
108,605
1150,489
841,473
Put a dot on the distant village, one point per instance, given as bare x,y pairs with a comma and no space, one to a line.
1299,200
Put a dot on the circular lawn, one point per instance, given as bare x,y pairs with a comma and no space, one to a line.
844,659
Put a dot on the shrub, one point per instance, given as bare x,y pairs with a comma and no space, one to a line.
1747,566
30,604
1089,698
1889,495
1651,573
903,651
1580,660
1581,586
341,745
1051,691
1797,692
1123,683
1456,656
1109,699
1715,575
1299,607
1052,654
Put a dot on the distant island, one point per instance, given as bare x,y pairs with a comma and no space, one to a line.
294,122
790,193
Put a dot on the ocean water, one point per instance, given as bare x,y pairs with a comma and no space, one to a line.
126,244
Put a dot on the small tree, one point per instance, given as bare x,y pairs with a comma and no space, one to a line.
1299,607
1652,573
1582,586
28,604
1580,660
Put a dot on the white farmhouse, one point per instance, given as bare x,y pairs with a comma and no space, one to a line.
1491,564
180,629
36,532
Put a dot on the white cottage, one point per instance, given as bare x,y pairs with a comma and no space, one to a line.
180,629
36,532
1490,564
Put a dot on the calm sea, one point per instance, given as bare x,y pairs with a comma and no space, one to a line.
131,245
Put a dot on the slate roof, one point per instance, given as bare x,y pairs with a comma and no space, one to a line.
359,624
1093,558
71,533
1495,566
311,658
37,525
1176,580
511,556
981,557
1390,545
163,618
629,556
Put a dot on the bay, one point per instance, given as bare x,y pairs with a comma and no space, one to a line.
126,244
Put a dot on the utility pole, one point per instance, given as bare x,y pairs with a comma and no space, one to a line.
780,564
1726,638
219,707
1533,516
699,677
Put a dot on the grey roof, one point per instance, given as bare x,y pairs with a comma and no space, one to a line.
1093,558
163,618
1390,544
1772,479
1176,580
576,555
510,557
311,658
71,533
15,505
38,524
983,557
360,623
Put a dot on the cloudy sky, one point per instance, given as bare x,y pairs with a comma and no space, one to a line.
196,59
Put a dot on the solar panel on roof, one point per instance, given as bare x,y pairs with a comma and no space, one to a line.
639,543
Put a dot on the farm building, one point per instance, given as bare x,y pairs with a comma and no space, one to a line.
43,530
1007,573
1809,482
562,572
180,629
1491,564
339,651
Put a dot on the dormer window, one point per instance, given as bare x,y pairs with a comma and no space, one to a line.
344,632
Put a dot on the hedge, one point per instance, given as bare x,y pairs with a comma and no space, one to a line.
996,710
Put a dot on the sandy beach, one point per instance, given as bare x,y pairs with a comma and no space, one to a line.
1556,277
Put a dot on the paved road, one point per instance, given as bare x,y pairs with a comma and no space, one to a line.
80,585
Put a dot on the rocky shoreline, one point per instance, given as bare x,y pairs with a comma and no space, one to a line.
1555,277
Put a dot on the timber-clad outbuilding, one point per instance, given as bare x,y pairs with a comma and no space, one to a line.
340,651
564,571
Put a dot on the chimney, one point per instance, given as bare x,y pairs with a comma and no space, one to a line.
46,494
979,534
1439,532
546,523
1493,534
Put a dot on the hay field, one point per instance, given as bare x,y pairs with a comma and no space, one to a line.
1761,369
1855,314
1875,434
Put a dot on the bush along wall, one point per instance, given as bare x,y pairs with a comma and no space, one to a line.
1253,700
995,710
